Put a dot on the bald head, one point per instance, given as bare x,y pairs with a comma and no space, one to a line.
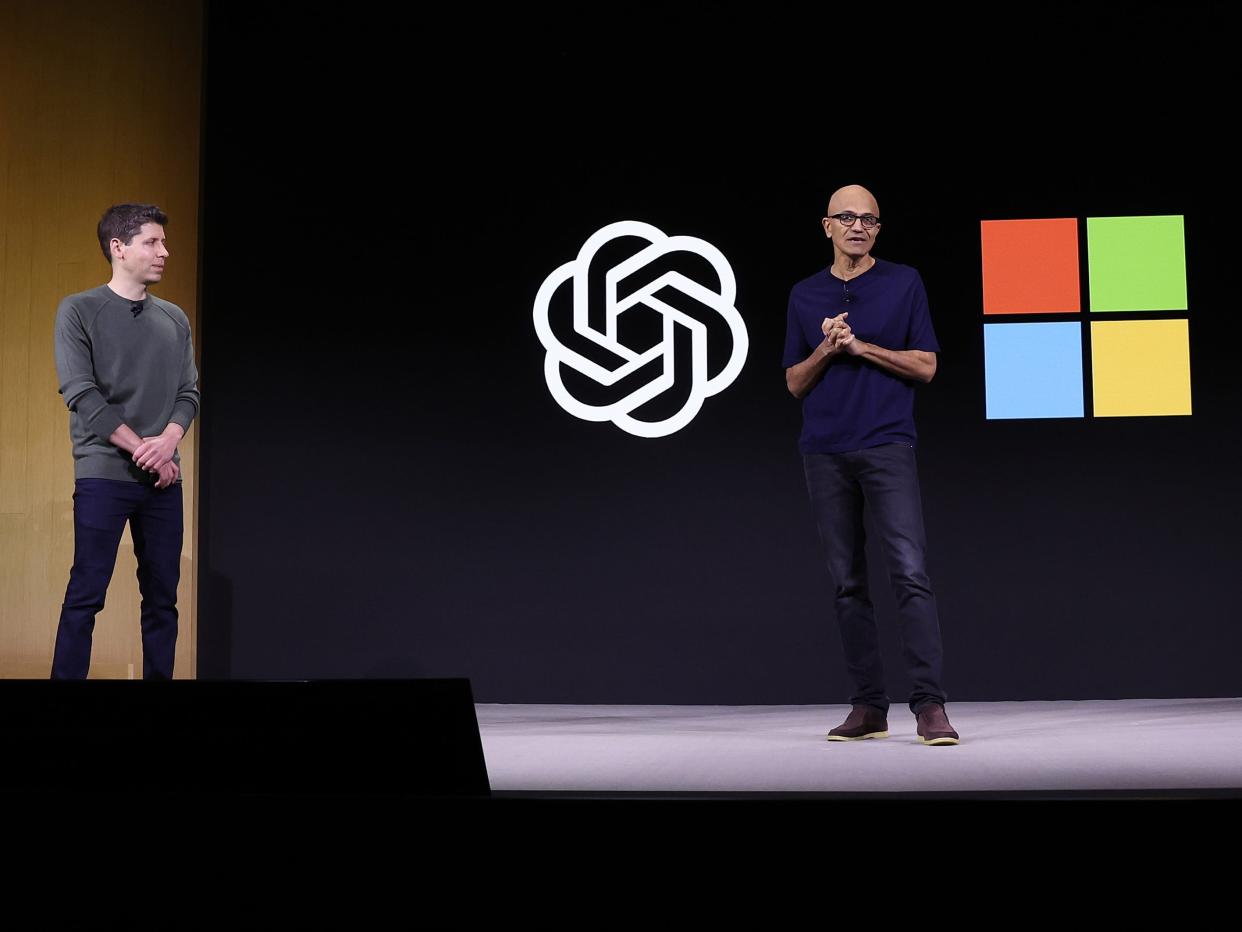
853,198
852,244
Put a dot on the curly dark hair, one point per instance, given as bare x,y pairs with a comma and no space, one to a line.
124,222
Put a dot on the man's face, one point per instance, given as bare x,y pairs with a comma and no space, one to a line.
854,240
142,259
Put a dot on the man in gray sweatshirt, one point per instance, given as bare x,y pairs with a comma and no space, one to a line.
126,366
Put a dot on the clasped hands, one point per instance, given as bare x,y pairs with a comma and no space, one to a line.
839,337
155,454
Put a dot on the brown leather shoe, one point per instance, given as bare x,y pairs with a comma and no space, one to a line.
934,727
864,721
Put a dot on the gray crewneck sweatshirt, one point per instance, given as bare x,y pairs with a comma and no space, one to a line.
120,367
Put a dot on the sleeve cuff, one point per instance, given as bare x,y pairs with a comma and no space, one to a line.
106,421
183,414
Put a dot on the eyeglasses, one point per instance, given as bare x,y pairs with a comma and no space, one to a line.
846,219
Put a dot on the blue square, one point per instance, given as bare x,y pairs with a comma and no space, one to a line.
1033,370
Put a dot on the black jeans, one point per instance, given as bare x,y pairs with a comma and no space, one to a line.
886,479
100,509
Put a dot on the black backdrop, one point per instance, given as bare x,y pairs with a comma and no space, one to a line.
388,488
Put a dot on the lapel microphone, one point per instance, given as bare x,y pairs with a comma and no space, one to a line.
136,308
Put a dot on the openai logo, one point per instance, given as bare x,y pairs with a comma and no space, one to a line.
679,302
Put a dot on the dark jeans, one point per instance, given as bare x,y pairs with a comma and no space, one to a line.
100,509
886,478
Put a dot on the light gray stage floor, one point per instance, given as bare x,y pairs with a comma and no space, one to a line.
1133,745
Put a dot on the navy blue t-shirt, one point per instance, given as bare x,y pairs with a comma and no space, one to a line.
858,404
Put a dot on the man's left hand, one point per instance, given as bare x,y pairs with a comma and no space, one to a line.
155,452
846,341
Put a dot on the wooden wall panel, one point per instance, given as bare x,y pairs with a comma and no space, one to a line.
99,104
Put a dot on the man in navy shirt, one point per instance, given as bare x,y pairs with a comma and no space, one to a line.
859,337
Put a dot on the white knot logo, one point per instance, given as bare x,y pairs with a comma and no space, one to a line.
722,302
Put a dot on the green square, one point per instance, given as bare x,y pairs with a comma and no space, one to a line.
1137,263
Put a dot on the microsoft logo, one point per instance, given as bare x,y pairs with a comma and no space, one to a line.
1138,345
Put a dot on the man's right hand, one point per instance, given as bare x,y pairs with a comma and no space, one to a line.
168,474
836,333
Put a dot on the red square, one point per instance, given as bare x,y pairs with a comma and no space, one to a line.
1030,266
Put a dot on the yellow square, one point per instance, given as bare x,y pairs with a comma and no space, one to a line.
1140,368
